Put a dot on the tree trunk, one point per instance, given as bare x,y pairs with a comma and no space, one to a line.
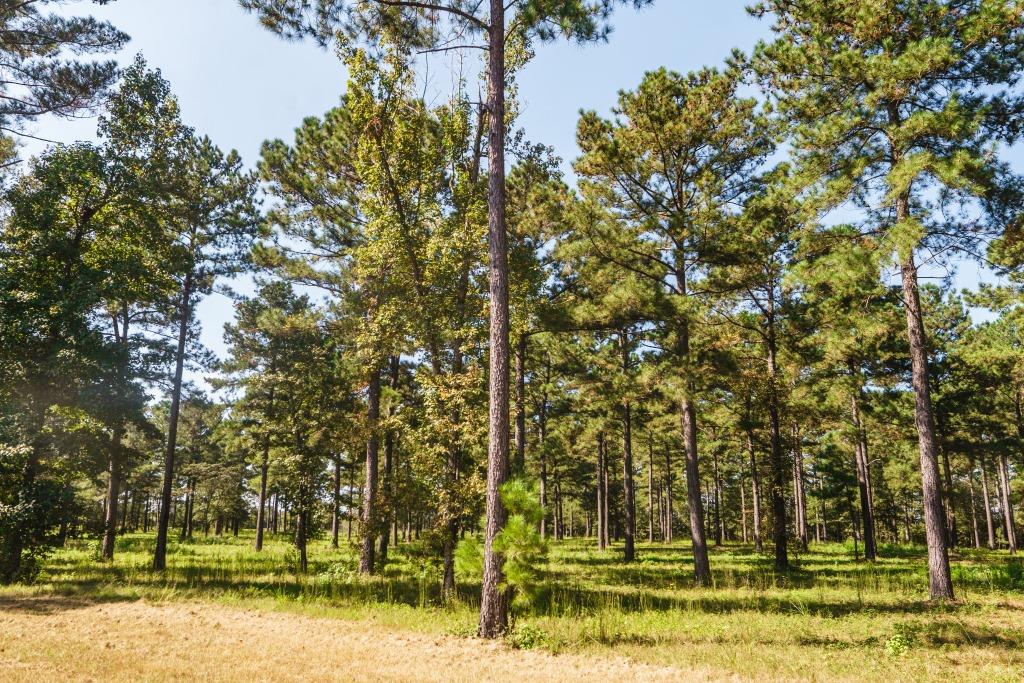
519,467
669,517
369,516
602,518
264,467
389,467
701,565
493,599
628,491
755,491
799,495
336,503
160,554
717,493
1007,503
973,506
863,476
113,484
940,580
650,492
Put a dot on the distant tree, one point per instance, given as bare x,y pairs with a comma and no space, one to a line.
895,105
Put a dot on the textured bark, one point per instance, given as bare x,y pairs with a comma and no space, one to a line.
493,599
369,514
940,581
113,485
160,554
701,565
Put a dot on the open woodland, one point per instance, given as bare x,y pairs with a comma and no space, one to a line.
702,404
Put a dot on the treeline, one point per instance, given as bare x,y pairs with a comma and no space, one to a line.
719,333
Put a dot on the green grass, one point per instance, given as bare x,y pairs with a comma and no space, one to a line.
829,618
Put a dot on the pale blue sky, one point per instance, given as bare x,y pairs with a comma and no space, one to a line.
241,85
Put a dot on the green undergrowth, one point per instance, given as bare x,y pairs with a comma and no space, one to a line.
829,618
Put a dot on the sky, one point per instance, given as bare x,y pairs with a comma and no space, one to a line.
240,85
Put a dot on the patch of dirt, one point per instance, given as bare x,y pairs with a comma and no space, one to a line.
49,639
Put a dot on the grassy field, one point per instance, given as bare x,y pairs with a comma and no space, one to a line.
831,618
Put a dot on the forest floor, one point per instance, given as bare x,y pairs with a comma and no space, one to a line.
66,639
229,613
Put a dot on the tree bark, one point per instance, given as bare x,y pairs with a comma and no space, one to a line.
939,578
389,467
628,491
755,491
160,554
493,599
863,476
260,511
336,503
369,515
799,496
519,468
602,493
701,565
113,484
1006,503
650,492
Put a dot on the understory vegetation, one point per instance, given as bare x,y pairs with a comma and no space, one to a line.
829,618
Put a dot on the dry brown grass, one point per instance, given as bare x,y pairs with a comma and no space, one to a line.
54,638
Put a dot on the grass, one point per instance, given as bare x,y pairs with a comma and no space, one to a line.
830,618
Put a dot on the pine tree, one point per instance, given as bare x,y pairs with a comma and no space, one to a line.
866,85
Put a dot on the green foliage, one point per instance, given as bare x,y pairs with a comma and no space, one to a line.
526,636
520,543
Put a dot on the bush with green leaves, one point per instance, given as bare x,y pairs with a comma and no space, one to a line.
519,542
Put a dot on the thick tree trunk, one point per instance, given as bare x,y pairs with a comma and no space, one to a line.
493,599
113,484
369,515
939,578
160,554
701,565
